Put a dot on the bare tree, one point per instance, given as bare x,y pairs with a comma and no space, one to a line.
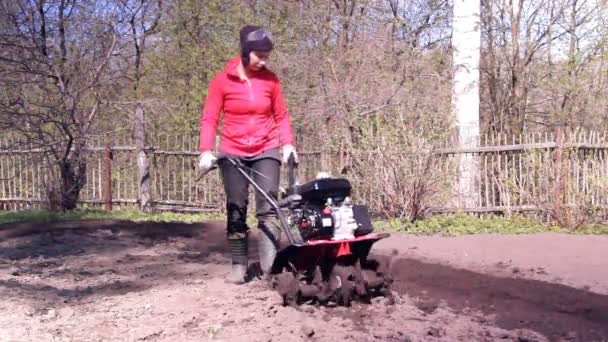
420,23
55,61
534,53
143,19
365,103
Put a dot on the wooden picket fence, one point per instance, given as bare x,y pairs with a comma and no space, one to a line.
112,175
527,172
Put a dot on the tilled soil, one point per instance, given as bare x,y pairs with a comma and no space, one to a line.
112,280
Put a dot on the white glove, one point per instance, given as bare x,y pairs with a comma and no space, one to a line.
206,161
287,151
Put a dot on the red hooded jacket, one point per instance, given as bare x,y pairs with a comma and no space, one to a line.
255,115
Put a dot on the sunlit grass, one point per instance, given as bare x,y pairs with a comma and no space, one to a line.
462,224
131,215
449,225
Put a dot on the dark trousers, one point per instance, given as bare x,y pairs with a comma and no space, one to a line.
265,172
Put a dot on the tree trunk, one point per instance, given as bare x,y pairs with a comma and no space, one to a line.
143,166
73,173
465,98
570,94
550,34
517,100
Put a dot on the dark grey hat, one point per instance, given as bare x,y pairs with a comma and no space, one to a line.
254,38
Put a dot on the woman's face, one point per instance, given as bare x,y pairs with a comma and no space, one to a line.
257,60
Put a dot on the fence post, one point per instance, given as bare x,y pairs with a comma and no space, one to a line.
143,165
107,157
559,186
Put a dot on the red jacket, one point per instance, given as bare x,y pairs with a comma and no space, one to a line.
255,115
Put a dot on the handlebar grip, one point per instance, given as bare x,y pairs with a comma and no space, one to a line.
232,160
291,161
292,165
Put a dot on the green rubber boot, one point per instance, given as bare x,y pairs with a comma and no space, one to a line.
239,249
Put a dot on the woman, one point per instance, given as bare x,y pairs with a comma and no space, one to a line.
256,128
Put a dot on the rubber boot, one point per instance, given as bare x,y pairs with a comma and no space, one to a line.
239,249
268,244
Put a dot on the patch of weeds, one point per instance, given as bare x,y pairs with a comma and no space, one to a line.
213,331
449,225
462,224
594,229
131,215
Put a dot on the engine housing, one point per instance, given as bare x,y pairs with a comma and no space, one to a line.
326,211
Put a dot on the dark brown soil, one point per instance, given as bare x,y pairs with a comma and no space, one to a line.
553,310
124,281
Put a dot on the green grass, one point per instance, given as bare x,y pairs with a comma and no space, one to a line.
462,224
448,225
132,215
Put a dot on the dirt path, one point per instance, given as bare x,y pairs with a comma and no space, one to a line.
121,281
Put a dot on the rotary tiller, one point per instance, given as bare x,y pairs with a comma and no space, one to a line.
327,256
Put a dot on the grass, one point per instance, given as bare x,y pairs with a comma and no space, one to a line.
462,224
448,225
131,215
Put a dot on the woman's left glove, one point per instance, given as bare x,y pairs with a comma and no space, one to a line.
287,151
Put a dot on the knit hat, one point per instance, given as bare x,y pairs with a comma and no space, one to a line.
254,38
